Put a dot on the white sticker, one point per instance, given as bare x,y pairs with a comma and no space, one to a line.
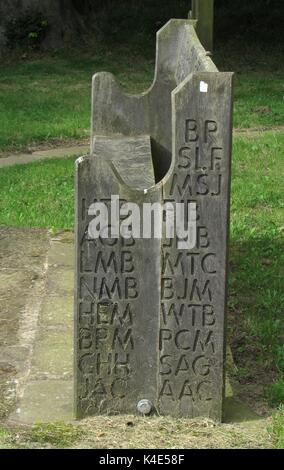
203,87
79,160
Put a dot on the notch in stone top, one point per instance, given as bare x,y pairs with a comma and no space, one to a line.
115,112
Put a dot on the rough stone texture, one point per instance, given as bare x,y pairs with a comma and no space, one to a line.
149,318
194,282
117,293
203,12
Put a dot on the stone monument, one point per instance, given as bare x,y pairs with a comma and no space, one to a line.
150,313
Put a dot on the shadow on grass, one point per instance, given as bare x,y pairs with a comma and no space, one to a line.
255,325
237,412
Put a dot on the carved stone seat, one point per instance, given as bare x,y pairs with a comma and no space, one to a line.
150,317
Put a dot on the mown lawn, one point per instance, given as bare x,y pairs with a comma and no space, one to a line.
46,99
259,82
256,299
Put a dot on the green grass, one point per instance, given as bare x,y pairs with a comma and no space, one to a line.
256,294
41,435
259,85
4,438
275,392
57,434
277,428
46,99
41,194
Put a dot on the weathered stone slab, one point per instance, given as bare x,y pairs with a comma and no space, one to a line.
150,316
117,291
193,285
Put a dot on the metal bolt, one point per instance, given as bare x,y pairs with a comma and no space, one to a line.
144,407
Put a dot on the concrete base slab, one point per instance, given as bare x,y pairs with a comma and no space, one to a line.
45,401
23,266
48,390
